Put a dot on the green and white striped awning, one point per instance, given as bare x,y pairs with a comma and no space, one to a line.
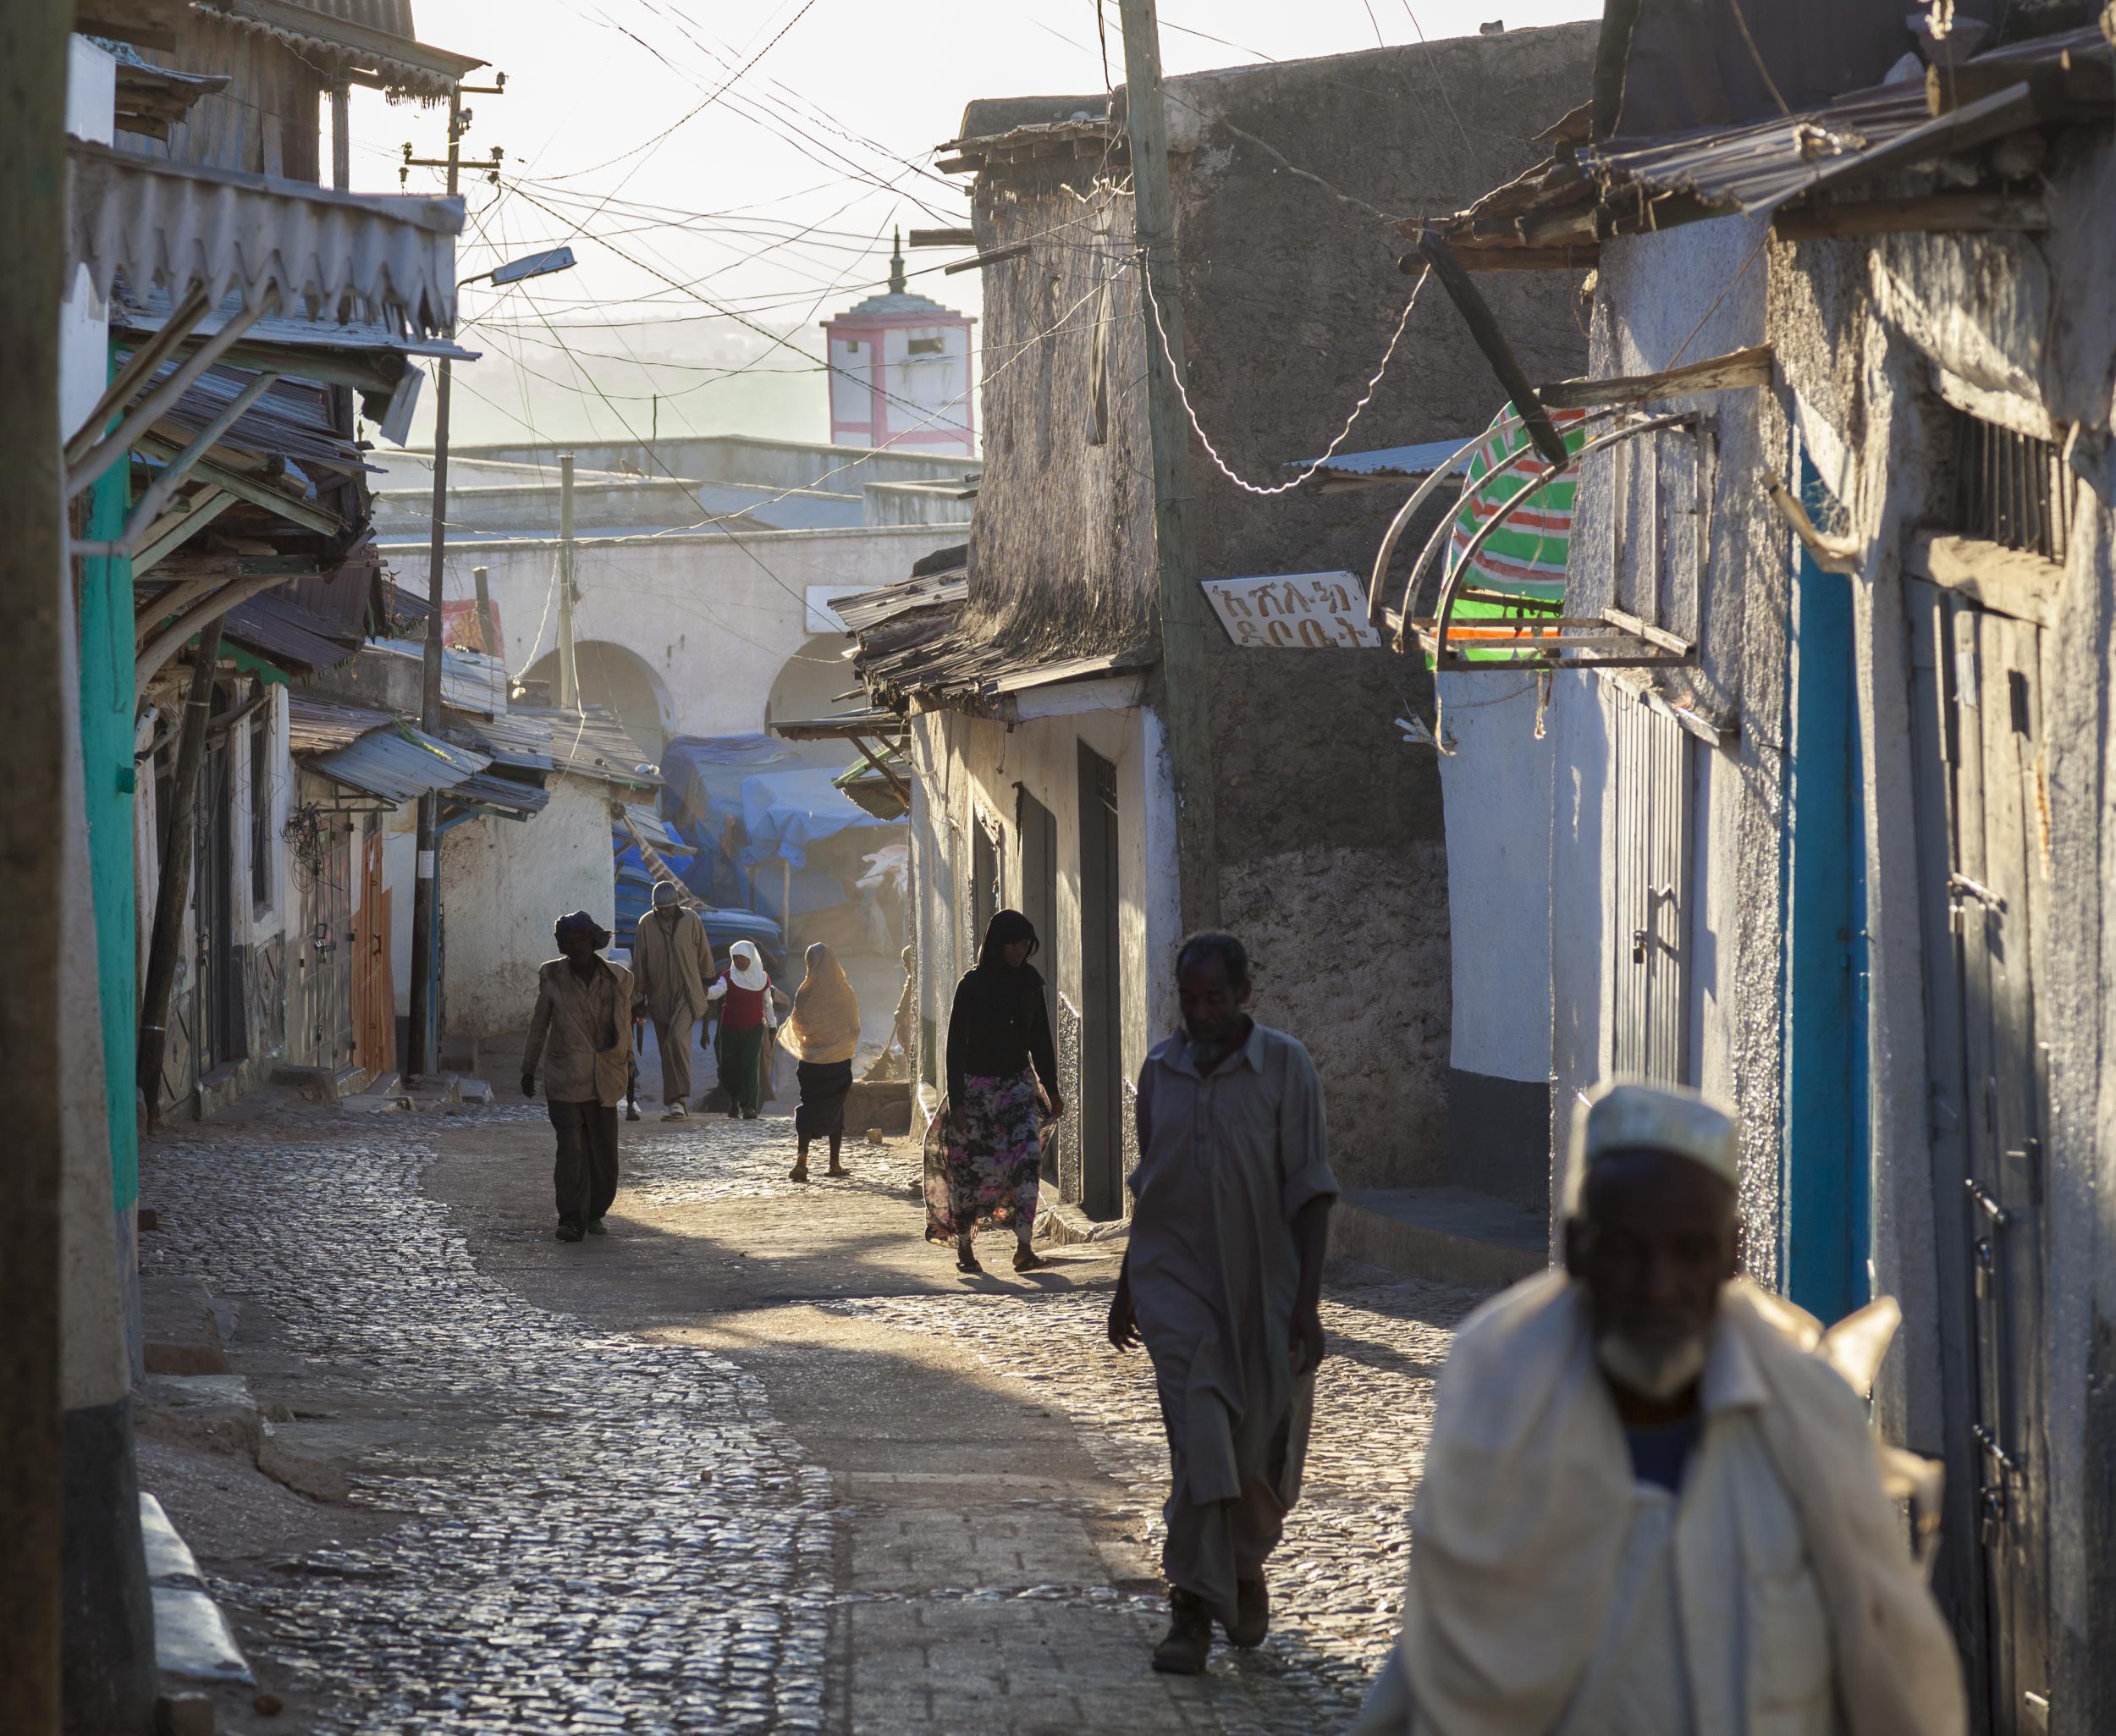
1525,557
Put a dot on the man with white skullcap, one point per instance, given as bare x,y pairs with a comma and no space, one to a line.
1652,1504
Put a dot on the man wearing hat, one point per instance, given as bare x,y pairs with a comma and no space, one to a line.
582,1035
1652,1504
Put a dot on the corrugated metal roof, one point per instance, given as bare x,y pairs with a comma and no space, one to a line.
317,725
515,740
177,224
870,609
505,796
593,744
146,310
292,421
1558,213
846,725
285,635
646,824
397,763
369,36
470,680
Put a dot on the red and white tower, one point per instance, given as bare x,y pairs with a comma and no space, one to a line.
900,372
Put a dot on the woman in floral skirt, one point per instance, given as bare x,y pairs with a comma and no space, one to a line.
983,1150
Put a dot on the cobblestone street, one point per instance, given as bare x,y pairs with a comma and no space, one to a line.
760,1460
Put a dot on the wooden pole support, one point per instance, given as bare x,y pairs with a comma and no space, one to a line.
1478,316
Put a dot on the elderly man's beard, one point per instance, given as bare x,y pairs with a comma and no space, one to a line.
1654,1371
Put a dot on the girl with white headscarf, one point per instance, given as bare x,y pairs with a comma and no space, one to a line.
744,994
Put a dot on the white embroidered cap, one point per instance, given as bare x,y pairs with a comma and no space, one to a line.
1624,1115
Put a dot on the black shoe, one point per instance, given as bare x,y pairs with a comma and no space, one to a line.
1189,1640
569,1231
1252,1613
595,1227
749,1115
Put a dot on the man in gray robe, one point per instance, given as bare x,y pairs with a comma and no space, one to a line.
672,961
1222,1281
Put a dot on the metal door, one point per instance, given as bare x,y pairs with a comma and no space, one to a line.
1650,897
1980,732
1039,829
1101,998
322,971
374,1002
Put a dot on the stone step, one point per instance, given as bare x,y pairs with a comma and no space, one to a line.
184,1331
192,1640
1444,1235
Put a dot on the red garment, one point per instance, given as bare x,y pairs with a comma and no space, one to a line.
743,1009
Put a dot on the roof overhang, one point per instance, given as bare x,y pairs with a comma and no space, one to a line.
179,226
875,724
152,99
357,52
1791,168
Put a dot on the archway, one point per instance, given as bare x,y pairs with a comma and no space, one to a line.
619,679
809,686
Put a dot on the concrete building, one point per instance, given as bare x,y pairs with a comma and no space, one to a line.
1836,851
704,606
1029,674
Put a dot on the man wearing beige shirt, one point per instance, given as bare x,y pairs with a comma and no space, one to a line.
581,1034
672,961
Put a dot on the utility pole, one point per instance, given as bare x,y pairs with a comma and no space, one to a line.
426,904
487,620
1185,705
33,588
569,674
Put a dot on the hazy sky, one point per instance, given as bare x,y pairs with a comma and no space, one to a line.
812,134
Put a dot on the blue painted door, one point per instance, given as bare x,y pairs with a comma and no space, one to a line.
1828,1219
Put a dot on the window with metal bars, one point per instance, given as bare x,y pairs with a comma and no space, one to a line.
2011,489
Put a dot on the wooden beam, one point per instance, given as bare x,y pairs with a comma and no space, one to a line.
1717,373
169,533
1932,214
1534,419
941,238
243,487
901,789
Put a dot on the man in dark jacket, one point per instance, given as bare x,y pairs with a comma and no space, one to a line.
581,1034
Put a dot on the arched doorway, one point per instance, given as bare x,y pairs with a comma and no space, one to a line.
620,680
809,686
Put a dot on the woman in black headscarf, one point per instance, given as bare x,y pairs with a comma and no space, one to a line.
982,1150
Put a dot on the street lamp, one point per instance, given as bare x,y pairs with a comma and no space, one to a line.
423,1043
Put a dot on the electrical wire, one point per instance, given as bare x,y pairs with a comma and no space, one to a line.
1152,303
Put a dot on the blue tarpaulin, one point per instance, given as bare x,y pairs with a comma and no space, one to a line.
784,812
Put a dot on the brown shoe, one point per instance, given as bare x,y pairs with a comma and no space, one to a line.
1252,1613
1189,1640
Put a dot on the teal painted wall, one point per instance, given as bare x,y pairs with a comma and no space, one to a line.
107,781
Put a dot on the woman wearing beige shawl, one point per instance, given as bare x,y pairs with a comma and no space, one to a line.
822,1036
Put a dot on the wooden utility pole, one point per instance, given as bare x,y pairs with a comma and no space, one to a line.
34,192
172,886
1185,706
424,1053
569,672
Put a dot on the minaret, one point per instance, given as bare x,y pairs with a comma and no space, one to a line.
900,371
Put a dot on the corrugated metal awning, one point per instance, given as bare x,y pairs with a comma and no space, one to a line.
345,352
397,764
509,798
177,225
846,726
285,635
317,725
522,743
593,744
